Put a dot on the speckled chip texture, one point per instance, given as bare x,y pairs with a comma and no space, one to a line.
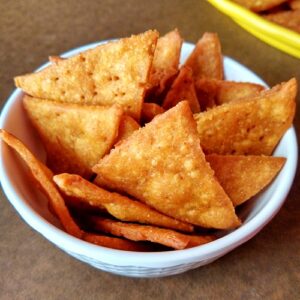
162,164
252,126
116,72
206,59
183,88
75,136
244,176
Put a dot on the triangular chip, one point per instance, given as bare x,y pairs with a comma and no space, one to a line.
165,61
244,176
252,126
151,110
121,207
163,165
183,88
211,92
206,60
42,176
75,136
116,72
127,126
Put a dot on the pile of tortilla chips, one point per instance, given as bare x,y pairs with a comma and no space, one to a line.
144,154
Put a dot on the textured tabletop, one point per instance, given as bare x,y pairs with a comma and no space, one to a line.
266,267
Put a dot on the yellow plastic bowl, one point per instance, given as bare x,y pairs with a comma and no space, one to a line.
275,35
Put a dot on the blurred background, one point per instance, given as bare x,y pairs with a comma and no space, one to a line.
268,266
32,30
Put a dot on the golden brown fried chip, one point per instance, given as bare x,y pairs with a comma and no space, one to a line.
244,176
41,174
116,72
165,61
136,232
163,165
121,207
127,126
212,92
289,19
183,88
115,243
75,136
151,110
294,4
259,5
206,60
252,126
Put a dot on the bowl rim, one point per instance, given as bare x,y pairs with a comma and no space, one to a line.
125,258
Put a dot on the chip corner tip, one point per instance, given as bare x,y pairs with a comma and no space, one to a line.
294,81
17,80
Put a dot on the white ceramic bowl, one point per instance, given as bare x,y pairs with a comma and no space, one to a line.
32,206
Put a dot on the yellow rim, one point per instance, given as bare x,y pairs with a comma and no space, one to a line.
271,41
273,34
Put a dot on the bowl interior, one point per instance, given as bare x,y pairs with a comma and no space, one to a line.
32,205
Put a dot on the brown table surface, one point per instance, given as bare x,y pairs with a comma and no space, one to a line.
268,266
